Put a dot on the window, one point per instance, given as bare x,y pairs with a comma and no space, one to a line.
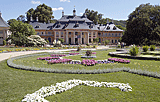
37,33
99,34
1,31
116,34
109,34
119,34
57,32
106,34
76,33
115,41
49,32
1,37
94,33
112,34
82,33
41,32
89,40
69,33
61,34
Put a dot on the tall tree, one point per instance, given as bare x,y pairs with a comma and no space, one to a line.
43,12
20,32
21,18
93,15
143,25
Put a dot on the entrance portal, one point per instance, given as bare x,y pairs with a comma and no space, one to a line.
76,41
69,40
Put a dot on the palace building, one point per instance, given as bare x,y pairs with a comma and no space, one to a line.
4,30
77,30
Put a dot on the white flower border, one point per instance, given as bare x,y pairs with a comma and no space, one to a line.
39,95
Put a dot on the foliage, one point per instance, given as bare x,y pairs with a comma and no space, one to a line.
134,51
43,12
119,46
21,18
88,53
57,43
143,25
35,40
87,44
96,40
145,48
152,48
47,41
4,42
61,40
99,43
78,48
20,32
106,42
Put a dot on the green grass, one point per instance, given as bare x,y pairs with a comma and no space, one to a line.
146,65
15,84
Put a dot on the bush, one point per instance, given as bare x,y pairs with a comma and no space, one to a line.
87,44
152,48
145,48
88,53
99,43
4,42
94,46
79,48
134,51
119,46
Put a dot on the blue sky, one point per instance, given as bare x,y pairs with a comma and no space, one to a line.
116,9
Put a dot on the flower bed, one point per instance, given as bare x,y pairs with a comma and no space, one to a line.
119,60
88,62
59,61
39,95
73,53
47,58
58,55
93,52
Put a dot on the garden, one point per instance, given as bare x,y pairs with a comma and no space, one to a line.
89,75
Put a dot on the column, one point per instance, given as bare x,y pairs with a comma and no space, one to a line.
88,37
81,38
66,37
73,37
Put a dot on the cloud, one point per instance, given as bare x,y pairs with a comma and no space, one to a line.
35,2
65,1
55,9
81,13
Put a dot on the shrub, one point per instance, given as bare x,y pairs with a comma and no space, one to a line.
87,44
94,46
79,48
133,51
88,53
4,42
99,43
119,46
152,48
145,48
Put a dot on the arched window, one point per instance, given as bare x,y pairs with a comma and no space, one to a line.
49,39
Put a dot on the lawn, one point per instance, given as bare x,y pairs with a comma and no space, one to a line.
15,84
146,65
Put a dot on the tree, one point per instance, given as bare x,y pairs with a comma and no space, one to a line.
20,32
143,25
93,15
43,12
106,42
96,40
21,18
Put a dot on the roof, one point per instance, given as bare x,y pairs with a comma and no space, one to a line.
3,23
109,27
41,26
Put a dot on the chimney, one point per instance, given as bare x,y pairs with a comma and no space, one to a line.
37,18
62,13
112,20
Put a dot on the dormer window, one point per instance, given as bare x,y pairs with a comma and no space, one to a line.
108,27
114,28
77,25
91,26
37,26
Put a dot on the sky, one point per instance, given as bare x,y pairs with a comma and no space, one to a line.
114,9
